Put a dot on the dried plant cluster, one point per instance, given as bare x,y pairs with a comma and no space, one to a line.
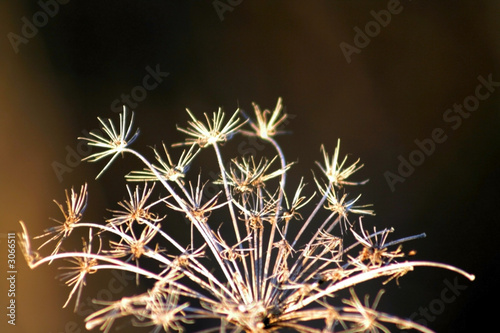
251,270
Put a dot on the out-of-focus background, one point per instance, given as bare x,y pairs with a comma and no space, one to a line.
64,63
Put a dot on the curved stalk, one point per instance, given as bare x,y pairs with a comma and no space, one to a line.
372,274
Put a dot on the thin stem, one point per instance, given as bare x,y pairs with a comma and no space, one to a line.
229,198
298,264
198,266
372,274
228,193
207,237
118,264
309,219
274,223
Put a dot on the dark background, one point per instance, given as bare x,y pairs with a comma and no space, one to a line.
393,92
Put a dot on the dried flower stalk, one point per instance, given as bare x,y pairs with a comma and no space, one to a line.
251,271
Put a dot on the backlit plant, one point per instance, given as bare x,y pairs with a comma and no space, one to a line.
257,260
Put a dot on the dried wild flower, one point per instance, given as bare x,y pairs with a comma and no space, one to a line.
168,170
116,143
245,265
76,205
213,133
84,265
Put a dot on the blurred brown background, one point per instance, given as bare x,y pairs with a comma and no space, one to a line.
429,56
